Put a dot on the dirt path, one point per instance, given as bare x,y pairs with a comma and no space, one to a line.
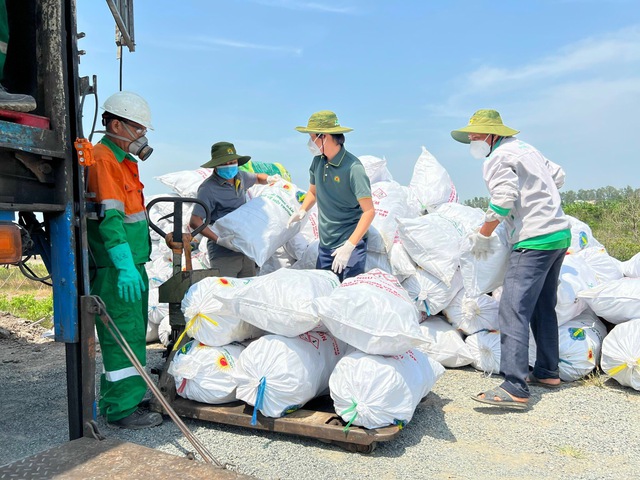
584,430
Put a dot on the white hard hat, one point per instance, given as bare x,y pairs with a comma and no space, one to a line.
131,106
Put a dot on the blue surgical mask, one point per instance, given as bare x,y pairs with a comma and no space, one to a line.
227,171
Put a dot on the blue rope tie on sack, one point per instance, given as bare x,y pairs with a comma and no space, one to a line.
426,307
259,400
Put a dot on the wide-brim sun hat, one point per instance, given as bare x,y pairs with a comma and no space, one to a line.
484,121
324,121
223,152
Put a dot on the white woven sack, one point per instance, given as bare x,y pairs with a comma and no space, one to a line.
580,341
156,310
485,350
282,302
164,331
309,257
186,182
401,262
259,227
604,267
159,271
444,343
411,284
310,229
435,295
469,218
377,260
433,242
575,276
376,168
431,183
375,243
631,268
472,314
373,391
208,312
621,354
152,332
484,276
581,236
203,373
390,202
580,345
616,301
296,246
295,370
280,259
156,212
373,313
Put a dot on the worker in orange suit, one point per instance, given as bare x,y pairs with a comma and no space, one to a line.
120,245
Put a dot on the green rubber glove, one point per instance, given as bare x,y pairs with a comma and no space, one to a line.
130,284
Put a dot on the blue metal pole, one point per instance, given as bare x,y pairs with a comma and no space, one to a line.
64,276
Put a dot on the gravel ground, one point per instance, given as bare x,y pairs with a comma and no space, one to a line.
585,430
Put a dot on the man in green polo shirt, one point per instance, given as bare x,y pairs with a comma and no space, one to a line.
524,195
339,184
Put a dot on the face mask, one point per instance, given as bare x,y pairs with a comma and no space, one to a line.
140,146
479,148
313,148
227,171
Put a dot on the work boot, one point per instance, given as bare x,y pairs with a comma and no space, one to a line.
16,102
138,420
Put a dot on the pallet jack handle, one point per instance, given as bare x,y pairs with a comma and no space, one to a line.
97,307
183,242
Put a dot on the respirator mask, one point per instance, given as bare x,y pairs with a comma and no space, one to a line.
140,146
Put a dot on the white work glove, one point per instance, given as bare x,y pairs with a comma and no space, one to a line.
341,257
226,243
480,246
273,179
296,217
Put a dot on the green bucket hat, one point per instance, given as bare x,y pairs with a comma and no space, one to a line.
223,152
324,121
484,121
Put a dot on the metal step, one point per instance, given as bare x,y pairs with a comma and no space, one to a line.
108,459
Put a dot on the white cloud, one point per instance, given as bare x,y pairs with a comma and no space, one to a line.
621,48
223,42
212,43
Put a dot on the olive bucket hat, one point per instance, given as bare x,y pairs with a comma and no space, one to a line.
324,121
484,121
223,152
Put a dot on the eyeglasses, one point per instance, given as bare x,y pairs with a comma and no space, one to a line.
140,130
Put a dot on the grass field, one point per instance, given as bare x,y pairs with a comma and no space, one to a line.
26,298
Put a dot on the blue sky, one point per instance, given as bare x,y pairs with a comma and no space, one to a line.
401,74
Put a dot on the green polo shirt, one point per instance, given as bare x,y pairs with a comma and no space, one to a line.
340,183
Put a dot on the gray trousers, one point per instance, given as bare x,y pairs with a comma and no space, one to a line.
235,266
529,299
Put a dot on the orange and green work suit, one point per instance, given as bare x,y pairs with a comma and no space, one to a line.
115,180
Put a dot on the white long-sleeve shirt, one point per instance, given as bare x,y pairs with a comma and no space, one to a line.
524,190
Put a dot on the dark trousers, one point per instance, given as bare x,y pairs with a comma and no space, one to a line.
20,68
529,299
355,265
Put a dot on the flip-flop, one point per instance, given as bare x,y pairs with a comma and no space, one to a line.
505,399
531,380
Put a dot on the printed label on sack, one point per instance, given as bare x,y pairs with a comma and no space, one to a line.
379,279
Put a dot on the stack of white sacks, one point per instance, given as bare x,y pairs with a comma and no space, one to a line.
378,341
